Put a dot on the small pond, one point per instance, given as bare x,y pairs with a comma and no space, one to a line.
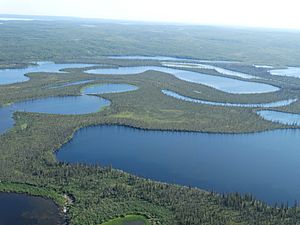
65,105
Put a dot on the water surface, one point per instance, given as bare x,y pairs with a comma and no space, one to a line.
21,209
221,83
9,76
263,66
280,117
226,104
289,72
265,164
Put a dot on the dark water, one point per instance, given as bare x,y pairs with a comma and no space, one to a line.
265,164
21,209
225,84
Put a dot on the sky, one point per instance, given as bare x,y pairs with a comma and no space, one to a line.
253,13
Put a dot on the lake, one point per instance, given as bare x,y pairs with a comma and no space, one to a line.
218,82
9,76
265,164
289,72
227,104
21,209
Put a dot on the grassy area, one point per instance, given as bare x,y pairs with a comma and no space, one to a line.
128,220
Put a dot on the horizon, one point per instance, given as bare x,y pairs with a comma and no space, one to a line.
232,13
15,17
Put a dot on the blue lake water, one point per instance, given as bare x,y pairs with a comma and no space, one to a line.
21,209
9,76
280,117
108,88
289,72
265,164
253,105
221,83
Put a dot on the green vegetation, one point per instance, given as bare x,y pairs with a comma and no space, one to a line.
102,194
128,220
65,40
33,190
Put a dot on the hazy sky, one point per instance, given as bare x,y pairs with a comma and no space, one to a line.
261,13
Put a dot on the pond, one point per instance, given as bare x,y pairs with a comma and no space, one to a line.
280,117
265,164
70,105
66,105
227,104
9,76
221,83
289,72
21,209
